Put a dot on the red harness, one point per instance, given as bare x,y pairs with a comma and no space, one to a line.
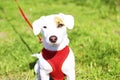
56,60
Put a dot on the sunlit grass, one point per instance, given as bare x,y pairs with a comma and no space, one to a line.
95,40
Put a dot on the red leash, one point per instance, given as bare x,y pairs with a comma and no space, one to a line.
26,19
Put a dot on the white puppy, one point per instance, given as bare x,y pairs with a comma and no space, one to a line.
56,59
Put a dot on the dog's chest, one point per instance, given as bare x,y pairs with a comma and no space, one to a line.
56,60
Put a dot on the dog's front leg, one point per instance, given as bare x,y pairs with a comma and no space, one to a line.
44,75
69,66
71,75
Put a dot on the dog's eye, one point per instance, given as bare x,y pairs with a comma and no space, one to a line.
60,25
45,27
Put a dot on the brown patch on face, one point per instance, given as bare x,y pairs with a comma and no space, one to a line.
59,22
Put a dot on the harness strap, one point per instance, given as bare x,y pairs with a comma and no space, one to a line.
56,60
26,19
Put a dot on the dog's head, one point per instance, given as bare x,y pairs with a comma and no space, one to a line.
53,28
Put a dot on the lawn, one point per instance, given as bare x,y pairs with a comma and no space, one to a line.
95,38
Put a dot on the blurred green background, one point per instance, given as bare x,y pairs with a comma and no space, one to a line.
95,38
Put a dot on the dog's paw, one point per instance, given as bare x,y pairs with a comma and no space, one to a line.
38,79
35,55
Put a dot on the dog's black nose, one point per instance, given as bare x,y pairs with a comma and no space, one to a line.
53,39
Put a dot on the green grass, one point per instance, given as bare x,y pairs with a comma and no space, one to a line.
95,38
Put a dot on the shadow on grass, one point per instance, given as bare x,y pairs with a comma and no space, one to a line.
23,41
32,64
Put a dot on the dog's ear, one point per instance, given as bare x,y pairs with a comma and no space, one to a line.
37,25
68,20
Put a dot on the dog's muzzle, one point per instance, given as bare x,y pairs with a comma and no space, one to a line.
53,39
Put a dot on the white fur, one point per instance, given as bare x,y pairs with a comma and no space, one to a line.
42,67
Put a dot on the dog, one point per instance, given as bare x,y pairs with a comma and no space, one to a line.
56,59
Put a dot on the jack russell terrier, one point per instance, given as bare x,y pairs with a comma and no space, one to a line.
56,59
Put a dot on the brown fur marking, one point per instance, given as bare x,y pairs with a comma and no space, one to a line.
58,21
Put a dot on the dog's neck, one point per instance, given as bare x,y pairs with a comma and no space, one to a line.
62,45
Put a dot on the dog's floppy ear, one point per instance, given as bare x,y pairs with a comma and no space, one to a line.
68,20
37,25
